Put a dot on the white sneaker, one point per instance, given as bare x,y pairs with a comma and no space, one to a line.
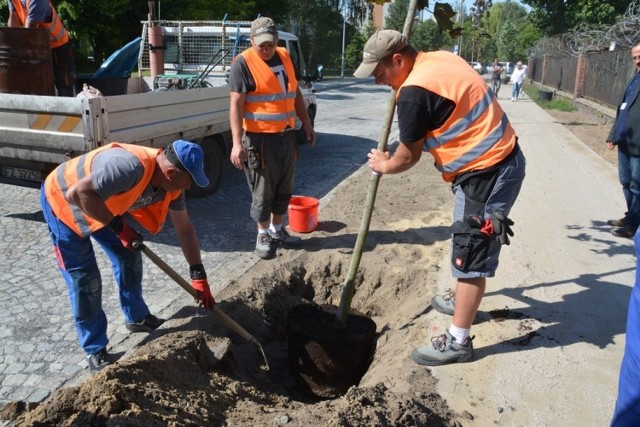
513,99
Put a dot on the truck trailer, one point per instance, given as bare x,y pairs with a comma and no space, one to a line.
37,133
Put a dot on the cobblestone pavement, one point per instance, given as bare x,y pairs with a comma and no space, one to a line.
39,352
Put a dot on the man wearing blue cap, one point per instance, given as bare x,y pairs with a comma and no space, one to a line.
85,198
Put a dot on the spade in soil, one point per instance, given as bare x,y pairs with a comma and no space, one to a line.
331,349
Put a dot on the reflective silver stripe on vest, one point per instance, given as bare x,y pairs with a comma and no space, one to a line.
270,97
54,24
461,125
78,215
477,151
266,117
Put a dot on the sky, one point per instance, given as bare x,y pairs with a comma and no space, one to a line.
466,3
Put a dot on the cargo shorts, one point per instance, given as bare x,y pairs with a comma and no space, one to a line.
473,254
270,171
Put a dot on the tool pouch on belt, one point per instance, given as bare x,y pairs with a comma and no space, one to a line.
470,246
254,155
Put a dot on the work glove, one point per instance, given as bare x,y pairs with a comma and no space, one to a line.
129,237
501,227
199,283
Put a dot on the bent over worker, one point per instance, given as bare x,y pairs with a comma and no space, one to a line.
446,108
86,197
42,14
264,102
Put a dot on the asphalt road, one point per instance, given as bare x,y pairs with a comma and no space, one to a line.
39,352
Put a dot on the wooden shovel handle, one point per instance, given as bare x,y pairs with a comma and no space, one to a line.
226,320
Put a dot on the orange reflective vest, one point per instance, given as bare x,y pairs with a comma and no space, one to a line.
477,135
57,33
268,109
58,182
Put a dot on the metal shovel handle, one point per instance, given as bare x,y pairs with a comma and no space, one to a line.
222,316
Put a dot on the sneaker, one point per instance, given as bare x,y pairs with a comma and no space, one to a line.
148,324
446,303
617,222
513,99
99,360
284,238
624,232
443,350
263,245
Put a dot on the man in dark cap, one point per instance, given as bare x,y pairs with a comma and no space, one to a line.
446,108
265,100
87,196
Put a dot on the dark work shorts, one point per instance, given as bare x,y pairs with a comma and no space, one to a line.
270,170
495,191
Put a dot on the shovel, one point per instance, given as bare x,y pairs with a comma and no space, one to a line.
329,353
226,320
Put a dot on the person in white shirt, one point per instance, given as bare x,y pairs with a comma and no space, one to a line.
517,77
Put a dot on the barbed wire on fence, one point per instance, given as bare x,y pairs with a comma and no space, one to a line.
586,37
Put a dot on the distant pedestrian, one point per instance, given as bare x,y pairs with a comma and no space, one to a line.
496,76
517,78
85,198
625,134
446,108
627,410
264,102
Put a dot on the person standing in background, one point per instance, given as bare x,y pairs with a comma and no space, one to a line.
42,14
517,78
625,134
496,75
264,102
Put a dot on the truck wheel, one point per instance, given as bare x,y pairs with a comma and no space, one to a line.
213,164
301,137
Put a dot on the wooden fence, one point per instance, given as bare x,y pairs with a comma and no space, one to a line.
601,77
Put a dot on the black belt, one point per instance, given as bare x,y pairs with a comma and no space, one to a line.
284,132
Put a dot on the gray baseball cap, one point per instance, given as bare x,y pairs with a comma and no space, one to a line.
380,45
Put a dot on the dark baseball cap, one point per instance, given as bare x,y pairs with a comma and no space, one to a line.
380,45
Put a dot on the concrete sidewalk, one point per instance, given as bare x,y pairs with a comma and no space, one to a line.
565,283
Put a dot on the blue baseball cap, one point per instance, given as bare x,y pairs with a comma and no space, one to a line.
188,157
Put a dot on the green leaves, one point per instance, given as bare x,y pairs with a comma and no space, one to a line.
442,13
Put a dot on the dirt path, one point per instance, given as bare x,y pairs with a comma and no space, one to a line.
549,336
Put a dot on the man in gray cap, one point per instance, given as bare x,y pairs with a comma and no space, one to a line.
265,100
446,108
87,196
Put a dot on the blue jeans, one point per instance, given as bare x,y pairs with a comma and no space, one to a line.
77,263
629,175
627,411
515,90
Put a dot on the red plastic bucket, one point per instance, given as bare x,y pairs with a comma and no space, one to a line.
303,214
